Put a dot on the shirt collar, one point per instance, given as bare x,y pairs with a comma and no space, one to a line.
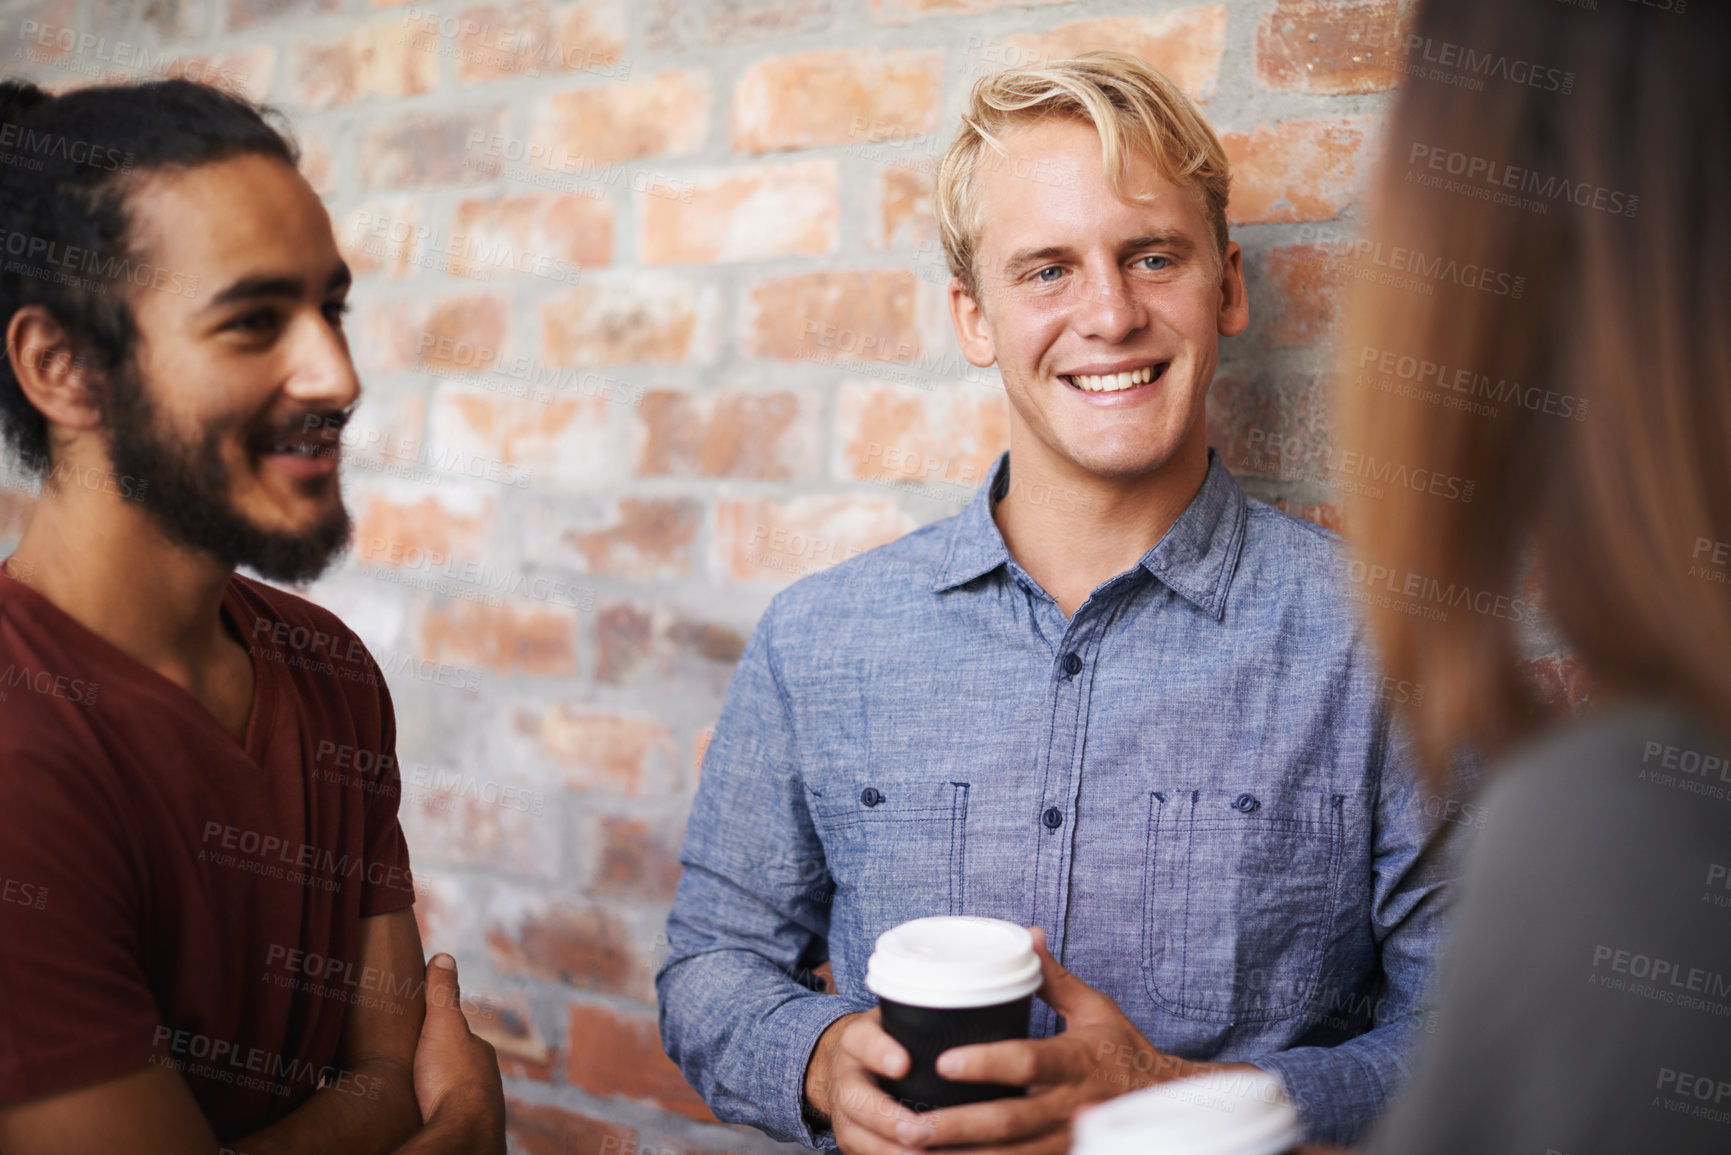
1195,559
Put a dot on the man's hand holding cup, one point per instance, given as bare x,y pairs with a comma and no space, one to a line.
1099,1055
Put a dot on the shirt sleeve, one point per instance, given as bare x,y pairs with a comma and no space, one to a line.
75,1004
1339,1089
752,906
390,886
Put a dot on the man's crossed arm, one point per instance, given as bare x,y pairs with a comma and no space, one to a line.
425,1087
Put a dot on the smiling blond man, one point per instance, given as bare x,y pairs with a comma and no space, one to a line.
1143,719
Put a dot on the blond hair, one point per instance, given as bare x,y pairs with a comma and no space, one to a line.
1136,111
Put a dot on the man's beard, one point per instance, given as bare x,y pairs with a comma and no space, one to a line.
186,492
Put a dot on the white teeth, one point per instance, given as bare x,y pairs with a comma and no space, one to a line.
1113,382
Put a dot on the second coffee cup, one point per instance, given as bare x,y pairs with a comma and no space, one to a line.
1223,1113
951,981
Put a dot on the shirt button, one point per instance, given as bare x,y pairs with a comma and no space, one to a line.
870,796
1072,665
1053,818
1245,803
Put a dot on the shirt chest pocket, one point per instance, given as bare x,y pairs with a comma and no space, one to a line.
896,849
1240,892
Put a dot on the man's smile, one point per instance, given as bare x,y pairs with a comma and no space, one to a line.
1116,377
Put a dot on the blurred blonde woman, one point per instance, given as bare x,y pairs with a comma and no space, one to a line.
1584,998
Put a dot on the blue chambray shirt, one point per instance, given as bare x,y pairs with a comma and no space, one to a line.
1192,785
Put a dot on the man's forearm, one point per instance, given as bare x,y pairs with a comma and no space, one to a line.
742,1033
463,1125
369,1110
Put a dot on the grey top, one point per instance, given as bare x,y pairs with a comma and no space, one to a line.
1584,1001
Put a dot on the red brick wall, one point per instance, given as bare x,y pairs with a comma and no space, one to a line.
650,317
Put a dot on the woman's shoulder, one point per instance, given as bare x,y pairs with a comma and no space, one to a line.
1601,834
1632,768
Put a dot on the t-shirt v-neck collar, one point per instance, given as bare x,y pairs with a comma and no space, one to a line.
105,655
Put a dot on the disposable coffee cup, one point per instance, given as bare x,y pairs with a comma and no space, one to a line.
1224,1113
950,982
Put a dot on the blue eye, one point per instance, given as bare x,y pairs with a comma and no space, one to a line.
1164,261
1041,275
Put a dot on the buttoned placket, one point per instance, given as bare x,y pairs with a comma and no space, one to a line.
1053,821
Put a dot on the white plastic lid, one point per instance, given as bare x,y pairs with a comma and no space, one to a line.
954,961
1223,1113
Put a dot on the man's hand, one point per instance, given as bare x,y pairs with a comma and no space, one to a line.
1099,1055
457,1081
839,1085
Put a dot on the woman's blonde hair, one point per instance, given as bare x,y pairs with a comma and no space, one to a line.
1136,111
1592,407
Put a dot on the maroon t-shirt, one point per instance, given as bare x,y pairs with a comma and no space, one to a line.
170,895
